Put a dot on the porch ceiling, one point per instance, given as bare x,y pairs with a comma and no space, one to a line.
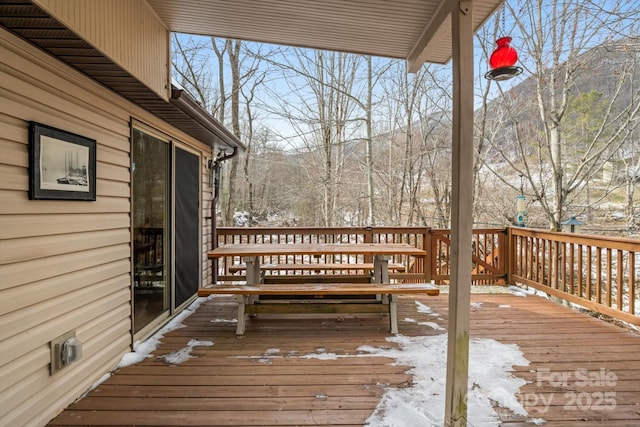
416,30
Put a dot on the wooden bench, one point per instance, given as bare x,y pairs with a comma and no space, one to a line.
248,304
318,267
308,278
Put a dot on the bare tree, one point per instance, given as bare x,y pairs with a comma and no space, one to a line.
319,106
415,172
371,217
559,41
192,68
630,154
248,93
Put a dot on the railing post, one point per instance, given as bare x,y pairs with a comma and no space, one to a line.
428,264
509,256
214,243
368,238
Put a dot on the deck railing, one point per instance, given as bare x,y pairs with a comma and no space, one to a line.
416,236
598,273
487,245
595,272
489,266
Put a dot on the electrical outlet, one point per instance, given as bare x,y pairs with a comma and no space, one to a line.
65,350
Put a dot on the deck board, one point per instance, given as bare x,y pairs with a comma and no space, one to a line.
254,380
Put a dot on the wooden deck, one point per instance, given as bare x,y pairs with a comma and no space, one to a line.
262,380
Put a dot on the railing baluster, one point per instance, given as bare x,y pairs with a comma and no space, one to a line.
609,276
571,273
631,282
599,276
588,271
620,281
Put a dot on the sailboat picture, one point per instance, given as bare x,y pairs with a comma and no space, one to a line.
62,165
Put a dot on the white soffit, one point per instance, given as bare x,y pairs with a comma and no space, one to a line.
416,30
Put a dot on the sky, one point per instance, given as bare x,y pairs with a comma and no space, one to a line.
490,371
281,89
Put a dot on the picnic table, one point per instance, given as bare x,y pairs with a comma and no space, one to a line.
251,254
385,293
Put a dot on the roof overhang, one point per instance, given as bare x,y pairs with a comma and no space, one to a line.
416,30
182,111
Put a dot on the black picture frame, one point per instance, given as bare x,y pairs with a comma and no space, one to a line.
62,165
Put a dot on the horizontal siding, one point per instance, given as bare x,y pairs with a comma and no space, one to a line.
24,343
13,178
21,368
112,188
126,31
36,102
206,202
21,226
64,265
31,313
54,398
25,296
17,202
112,156
21,273
30,248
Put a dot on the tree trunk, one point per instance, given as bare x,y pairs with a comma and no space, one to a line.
233,49
371,221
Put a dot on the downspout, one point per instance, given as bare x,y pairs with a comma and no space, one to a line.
216,165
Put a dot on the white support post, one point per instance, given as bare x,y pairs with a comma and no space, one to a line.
461,216
393,313
381,273
253,270
381,267
240,326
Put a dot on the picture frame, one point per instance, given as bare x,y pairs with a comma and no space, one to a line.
62,165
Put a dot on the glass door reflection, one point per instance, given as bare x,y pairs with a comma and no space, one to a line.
150,170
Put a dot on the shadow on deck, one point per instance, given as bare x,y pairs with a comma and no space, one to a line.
582,371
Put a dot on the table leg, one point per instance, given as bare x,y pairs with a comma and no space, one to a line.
240,326
253,269
381,268
393,313
253,274
381,273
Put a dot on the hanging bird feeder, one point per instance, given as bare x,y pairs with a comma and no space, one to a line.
502,61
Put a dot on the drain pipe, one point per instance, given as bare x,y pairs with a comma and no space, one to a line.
216,165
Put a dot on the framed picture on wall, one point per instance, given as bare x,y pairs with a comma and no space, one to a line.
62,165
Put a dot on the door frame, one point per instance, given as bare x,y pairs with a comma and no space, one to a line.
173,145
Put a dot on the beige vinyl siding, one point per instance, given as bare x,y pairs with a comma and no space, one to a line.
64,265
207,194
127,31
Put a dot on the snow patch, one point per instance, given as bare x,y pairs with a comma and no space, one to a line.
142,350
179,356
423,402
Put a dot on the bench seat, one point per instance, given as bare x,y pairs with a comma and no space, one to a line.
248,304
316,267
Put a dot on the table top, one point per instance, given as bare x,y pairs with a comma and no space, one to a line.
324,289
265,249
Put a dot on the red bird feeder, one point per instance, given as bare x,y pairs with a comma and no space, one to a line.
502,61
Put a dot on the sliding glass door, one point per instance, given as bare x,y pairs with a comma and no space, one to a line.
166,228
150,168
